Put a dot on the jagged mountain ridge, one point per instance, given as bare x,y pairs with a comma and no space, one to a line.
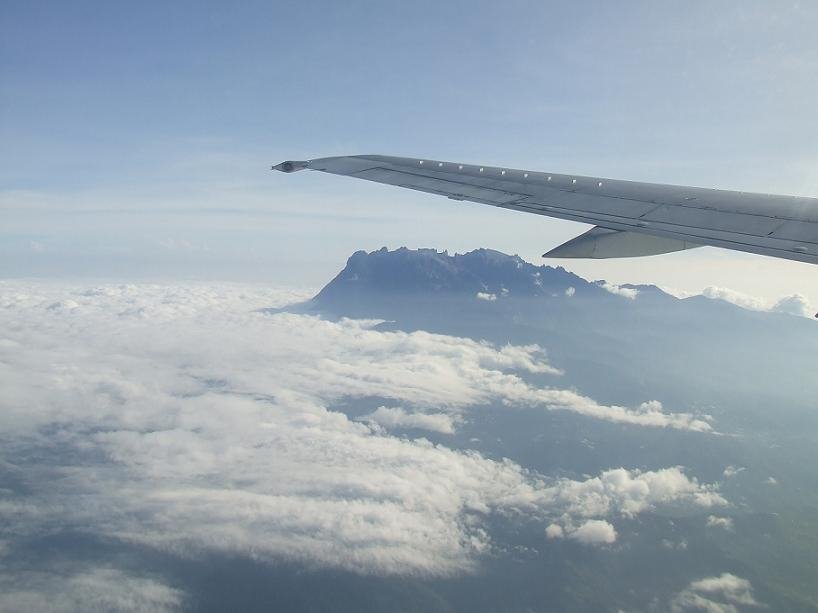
479,271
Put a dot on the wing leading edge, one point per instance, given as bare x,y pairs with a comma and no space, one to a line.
631,219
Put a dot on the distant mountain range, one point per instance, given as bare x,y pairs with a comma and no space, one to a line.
620,344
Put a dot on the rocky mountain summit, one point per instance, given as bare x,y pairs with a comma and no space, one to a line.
481,270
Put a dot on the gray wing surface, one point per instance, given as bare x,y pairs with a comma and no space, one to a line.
631,219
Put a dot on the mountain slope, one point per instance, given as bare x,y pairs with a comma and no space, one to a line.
620,344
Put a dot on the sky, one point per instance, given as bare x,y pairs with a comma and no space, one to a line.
137,137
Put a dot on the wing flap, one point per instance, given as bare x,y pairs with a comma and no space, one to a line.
804,232
585,203
711,219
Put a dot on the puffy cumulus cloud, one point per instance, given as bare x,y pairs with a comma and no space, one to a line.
590,532
96,589
629,492
795,304
396,417
714,521
732,296
554,531
625,292
486,296
620,492
186,419
732,588
594,532
722,594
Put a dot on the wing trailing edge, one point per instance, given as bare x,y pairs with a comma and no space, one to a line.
631,218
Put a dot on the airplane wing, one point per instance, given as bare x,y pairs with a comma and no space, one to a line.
630,218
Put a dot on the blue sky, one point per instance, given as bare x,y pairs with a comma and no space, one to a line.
138,136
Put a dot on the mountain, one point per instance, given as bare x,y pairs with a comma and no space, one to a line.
427,270
621,344
753,372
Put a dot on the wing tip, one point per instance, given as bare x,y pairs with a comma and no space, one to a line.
291,166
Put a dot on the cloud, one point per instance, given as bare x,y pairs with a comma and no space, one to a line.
486,296
570,291
554,531
620,493
732,471
732,296
795,304
720,522
594,532
625,292
398,418
187,420
97,589
680,546
328,360
721,594
629,492
590,532
647,414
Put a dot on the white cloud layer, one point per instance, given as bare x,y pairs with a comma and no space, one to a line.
183,418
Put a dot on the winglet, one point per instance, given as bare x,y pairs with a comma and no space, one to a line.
291,166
